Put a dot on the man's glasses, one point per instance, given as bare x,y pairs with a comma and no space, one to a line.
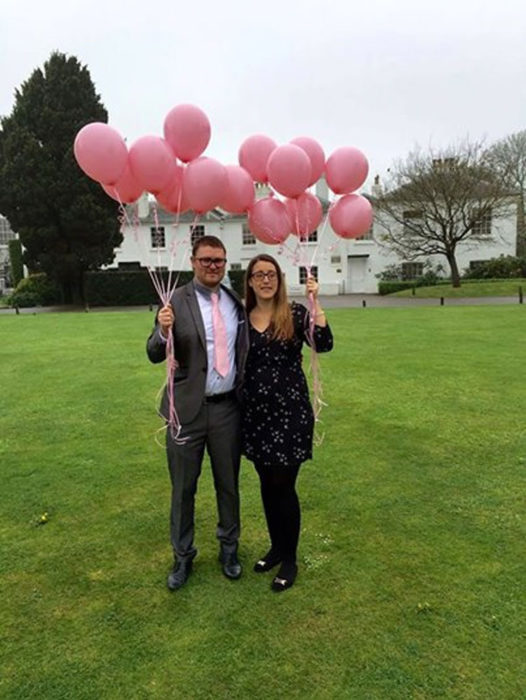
271,275
208,262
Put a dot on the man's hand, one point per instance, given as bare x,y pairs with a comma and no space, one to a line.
166,319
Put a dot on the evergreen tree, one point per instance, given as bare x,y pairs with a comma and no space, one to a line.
66,222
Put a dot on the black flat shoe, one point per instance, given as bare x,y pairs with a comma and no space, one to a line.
268,562
285,578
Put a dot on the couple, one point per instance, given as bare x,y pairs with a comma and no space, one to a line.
239,387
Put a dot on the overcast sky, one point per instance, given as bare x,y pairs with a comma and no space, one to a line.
381,75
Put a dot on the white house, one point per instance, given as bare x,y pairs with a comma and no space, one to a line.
342,266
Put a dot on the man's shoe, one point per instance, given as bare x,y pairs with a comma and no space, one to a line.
231,565
180,574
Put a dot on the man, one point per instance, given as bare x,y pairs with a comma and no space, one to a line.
210,335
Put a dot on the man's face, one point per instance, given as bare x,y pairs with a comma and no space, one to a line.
209,265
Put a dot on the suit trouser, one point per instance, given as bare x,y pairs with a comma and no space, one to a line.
216,427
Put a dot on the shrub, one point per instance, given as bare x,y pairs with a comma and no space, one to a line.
503,267
35,290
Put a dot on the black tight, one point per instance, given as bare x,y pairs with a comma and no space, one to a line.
282,508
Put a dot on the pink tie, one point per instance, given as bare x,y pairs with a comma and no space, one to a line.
221,363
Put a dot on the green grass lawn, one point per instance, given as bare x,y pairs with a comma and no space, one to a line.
412,555
492,288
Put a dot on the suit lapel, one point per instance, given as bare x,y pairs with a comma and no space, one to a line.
193,304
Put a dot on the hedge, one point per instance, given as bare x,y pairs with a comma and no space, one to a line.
135,288
15,261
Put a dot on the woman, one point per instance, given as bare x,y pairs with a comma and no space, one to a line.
279,420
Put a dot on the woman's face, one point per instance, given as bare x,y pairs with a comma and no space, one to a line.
264,280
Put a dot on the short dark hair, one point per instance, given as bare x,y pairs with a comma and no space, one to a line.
212,241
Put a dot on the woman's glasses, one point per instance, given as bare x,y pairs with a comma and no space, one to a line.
271,275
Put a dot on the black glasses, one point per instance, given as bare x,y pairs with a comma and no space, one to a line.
208,262
271,275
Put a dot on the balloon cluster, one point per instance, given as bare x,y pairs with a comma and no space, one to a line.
181,178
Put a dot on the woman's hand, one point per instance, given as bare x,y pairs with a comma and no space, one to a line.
312,287
166,319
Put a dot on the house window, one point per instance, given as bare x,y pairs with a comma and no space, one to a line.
6,234
157,237
367,236
336,259
198,231
303,273
235,266
476,264
412,270
313,237
412,220
248,236
482,226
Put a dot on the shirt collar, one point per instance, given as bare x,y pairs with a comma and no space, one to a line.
203,289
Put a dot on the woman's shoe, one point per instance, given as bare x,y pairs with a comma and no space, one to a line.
268,562
285,578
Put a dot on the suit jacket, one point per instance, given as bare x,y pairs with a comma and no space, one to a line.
190,352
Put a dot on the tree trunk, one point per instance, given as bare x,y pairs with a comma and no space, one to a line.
455,275
520,242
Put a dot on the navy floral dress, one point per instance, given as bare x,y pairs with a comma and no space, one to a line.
278,421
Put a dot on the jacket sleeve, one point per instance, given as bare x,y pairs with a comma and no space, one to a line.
321,339
156,345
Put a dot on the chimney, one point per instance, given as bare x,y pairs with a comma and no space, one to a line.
322,189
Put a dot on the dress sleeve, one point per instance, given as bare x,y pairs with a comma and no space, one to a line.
323,340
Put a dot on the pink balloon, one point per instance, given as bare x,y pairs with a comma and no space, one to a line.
126,190
351,216
187,130
289,170
268,220
240,193
101,152
316,155
254,154
346,170
305,213
205,184
173,198
152,163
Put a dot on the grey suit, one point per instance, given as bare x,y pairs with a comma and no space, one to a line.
210,424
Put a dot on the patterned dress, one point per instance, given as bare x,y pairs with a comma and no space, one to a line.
278,419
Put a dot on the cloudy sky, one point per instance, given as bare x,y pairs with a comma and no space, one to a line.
381,75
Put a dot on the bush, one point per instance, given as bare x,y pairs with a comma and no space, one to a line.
35,290
503,267
237,277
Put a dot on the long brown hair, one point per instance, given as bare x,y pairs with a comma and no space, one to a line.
281,325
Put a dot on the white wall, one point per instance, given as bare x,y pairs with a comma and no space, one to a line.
359,260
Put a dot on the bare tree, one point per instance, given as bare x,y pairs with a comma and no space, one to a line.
508,159
438,199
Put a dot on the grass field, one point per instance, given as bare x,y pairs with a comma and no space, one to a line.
492,288
412,556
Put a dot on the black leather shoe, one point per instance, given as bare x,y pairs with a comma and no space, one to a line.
180,574
231,566
285,578
268,562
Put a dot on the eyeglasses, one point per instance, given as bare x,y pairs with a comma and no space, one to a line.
208,262
271,275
